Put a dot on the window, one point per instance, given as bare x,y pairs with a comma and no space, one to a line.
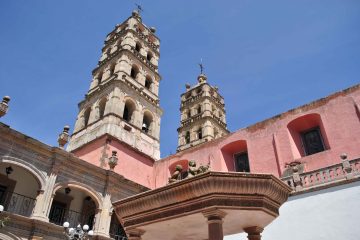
242,162
312,141
134,72
100,77
86,116
138,47
112,69
128,110
199,134
102,106
188,114
147,120
199,109
148,82
187,137
149,56
307,135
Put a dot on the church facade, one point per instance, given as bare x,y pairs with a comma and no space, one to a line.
114,150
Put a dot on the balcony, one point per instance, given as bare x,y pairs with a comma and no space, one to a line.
18,204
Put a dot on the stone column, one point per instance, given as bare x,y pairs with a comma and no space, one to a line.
135,234
44,199
103,218
254,233
215,220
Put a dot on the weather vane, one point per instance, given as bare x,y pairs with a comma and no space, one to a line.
139,8
201,66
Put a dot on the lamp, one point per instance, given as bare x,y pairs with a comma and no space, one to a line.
9,170
78,233
67,190
3,220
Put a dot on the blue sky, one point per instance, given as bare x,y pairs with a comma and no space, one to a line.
266,57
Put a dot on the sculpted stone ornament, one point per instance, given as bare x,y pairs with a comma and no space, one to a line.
176,176
64,137
113,160
193,171
4,106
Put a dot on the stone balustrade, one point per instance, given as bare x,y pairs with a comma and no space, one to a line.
324,176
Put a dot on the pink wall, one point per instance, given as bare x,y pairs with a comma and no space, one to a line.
274,142
131,164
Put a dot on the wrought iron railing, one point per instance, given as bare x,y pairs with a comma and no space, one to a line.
337,172
60,215
18,204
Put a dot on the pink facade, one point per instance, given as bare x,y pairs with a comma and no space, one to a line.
275,142
132,165
270,144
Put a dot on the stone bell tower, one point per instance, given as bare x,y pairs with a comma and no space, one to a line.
121,109
202,114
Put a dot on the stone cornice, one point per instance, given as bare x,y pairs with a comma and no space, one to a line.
211,189
153,100
59,159
211,118
196,99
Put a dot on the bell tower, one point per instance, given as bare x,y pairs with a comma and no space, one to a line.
121,110
202,114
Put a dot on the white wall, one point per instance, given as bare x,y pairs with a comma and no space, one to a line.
329,214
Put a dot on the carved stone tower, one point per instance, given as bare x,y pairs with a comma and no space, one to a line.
121,109
202,115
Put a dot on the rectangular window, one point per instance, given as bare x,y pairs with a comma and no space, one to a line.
242,162
312,141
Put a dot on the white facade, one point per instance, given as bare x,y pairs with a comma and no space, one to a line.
328,214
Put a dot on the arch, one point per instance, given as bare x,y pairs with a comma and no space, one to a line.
229,150
87,116
147,124
138,47
149,56
102,106
129,109
187,137
134,71
199,133
300,128
99,77
148,82
82,187
112,69
39,176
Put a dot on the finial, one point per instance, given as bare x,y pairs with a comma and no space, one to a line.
153,29
113,160
63,138
187,86
343,156
4,105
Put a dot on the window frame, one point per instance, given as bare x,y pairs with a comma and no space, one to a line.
304,146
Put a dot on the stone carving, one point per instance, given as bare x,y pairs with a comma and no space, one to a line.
176,176
191,172
4,105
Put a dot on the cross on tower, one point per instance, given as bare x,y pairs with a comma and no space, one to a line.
201,67
139,8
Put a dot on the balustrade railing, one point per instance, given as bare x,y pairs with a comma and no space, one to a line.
18,204
345,170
